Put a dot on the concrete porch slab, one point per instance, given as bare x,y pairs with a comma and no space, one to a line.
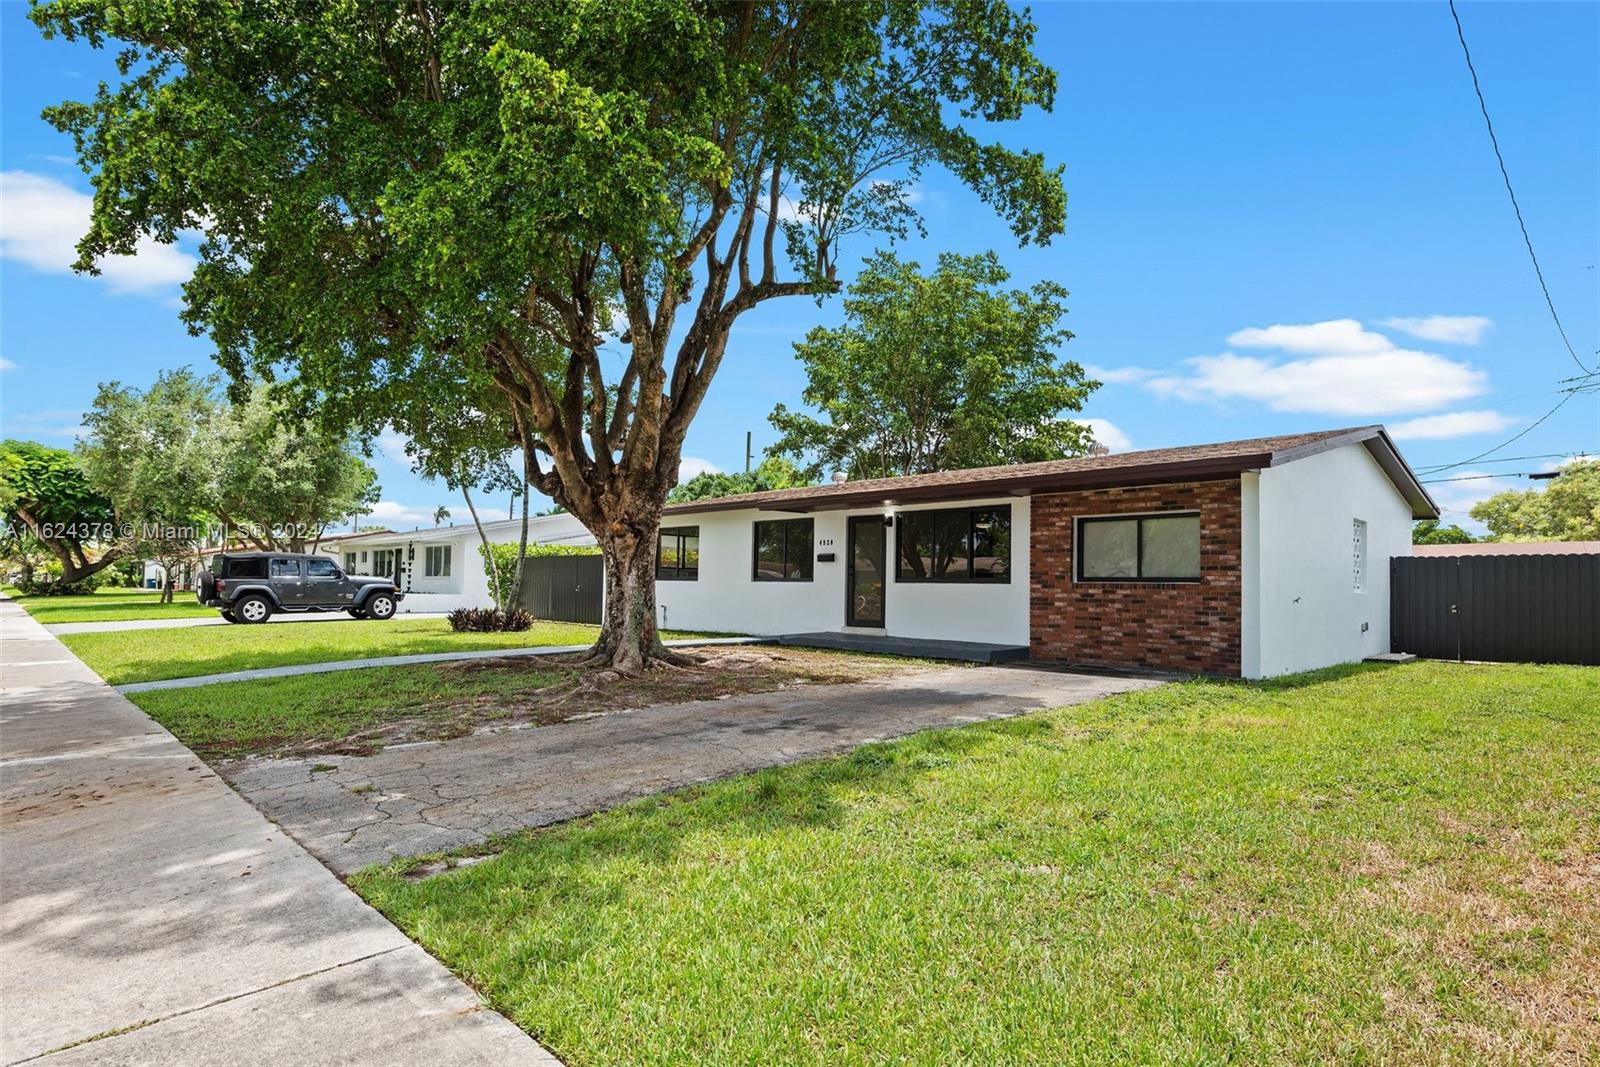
966,651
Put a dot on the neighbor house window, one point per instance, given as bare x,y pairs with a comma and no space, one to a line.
1144,548
783,551
436,562
1358,555
958,545
350,561
678,554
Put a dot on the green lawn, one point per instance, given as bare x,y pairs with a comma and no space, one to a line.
111,605
145,655
276,714
1365,865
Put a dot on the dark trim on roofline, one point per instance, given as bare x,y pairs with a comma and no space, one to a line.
844,497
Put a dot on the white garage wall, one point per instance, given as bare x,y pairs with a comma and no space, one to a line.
727,598
1307,612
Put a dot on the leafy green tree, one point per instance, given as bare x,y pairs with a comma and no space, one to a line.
506,186
153,453
46,493
280,478
1429,532
936,372
774,472
1567,509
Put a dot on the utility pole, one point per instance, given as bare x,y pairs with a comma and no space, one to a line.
747,451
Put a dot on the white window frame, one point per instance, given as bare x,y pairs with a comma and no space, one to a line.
436,561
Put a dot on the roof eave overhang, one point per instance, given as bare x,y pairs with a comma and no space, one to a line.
1016,485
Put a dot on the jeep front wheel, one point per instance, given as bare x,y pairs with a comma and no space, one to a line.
253,609
381,606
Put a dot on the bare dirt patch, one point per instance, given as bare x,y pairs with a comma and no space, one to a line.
483,693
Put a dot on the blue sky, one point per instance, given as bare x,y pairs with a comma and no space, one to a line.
1280,217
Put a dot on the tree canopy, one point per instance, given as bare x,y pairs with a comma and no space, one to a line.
1429,532
571,202
178,454
46,493
1567,509
937,372
774,472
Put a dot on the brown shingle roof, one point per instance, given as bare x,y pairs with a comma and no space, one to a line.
1511,548
1153,466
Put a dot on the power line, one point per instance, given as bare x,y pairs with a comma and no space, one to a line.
1505,174
1517,459
1483,477
1514,437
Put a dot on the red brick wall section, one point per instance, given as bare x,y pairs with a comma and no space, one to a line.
1175,626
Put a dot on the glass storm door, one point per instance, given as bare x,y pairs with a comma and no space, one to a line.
865,579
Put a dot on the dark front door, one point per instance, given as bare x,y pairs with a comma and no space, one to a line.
865,579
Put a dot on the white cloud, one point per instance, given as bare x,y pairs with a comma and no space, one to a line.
42,219
1346,370
690,466
54,422
392,513
1450,424
1119,375
1108,433
6,364
391,444
1448,329
1341,337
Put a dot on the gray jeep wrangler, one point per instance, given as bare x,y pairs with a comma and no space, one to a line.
250,586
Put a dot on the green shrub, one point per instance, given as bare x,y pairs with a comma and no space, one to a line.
488,620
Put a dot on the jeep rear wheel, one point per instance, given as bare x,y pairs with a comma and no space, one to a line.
380,606
253,609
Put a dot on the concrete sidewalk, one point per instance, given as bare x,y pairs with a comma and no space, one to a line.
150,915
114,625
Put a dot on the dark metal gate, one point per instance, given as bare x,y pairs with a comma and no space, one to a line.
1509,609
564,588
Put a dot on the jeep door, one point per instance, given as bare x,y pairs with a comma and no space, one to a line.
286,580
326,585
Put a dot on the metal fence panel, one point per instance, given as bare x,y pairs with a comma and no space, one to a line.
1511,609
564,588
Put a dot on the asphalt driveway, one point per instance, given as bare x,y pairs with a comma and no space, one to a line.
423,797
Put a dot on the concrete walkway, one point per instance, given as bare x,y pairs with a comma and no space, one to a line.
404,661
114,625
428,796
148,914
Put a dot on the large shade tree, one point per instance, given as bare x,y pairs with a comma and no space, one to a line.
499,183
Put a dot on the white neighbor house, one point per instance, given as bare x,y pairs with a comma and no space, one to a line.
443,569
1249,558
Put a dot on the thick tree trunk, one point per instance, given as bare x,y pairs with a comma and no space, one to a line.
629,641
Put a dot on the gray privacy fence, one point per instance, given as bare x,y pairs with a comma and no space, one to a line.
564,588
1509,609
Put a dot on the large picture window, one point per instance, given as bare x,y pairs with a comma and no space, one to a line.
678,554
959,545
1143,548
436,561
784,550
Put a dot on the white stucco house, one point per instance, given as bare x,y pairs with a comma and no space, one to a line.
442,569
1247,558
